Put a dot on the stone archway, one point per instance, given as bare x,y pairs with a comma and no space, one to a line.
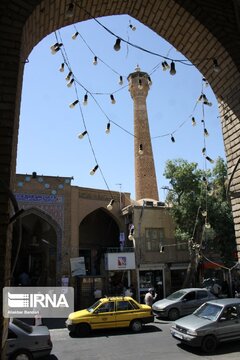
202,31
40,251
97,231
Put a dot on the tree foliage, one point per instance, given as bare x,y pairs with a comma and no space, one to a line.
200,209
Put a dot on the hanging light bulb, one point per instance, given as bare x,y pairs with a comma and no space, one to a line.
61,69
204,98
161,249
204,151
74,36
85,99
92,172
206,133
130,237
107,131
110,205
208,103
120,80
72,105
113,101
216,67
81,136
69,84
172,138
68,77
55,48
140,150
133,28
204,213
70,9
172,68
165,66
207,225
117,45
205,82
193,121
209,159
149,81
140,85
131,232
95,60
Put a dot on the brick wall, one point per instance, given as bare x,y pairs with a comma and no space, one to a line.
199,29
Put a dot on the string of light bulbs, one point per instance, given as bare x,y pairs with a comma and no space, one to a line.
74,80
119,39
202,97
165,66
86,132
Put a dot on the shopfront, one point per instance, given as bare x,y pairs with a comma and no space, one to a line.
151,276
119,267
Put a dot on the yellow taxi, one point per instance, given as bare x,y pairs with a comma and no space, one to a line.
110,312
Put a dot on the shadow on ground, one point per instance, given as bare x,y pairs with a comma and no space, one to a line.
117,332
222,349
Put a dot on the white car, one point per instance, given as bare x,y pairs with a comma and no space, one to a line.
26,342
214,322
182,302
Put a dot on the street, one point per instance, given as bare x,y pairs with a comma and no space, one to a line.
153,343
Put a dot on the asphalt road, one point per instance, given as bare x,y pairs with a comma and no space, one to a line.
153,343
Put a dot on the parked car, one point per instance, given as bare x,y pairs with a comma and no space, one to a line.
181,302
212,323
110,312
26,342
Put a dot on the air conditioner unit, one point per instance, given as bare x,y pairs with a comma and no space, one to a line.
160,203
148,203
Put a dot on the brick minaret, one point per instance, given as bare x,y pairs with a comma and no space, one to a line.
145,176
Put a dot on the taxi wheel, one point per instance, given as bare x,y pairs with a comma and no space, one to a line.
21,355
209,343
136,325
173,314
83,330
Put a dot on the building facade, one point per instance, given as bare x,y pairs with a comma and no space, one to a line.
63,224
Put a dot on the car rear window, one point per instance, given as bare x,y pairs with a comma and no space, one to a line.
22,325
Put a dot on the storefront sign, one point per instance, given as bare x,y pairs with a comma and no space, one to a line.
120,261
78,266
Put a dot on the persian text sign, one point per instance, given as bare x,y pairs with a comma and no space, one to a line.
48,302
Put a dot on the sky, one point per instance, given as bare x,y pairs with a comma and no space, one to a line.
48,135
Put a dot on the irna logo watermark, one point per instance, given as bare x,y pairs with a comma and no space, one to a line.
55,302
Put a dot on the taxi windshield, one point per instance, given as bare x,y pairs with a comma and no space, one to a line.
94,306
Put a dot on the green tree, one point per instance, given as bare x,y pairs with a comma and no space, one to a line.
200,210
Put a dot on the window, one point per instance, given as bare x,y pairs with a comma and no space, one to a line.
201,294
230,313
134,305
154,238
123,306
11,334
190,296
107,307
